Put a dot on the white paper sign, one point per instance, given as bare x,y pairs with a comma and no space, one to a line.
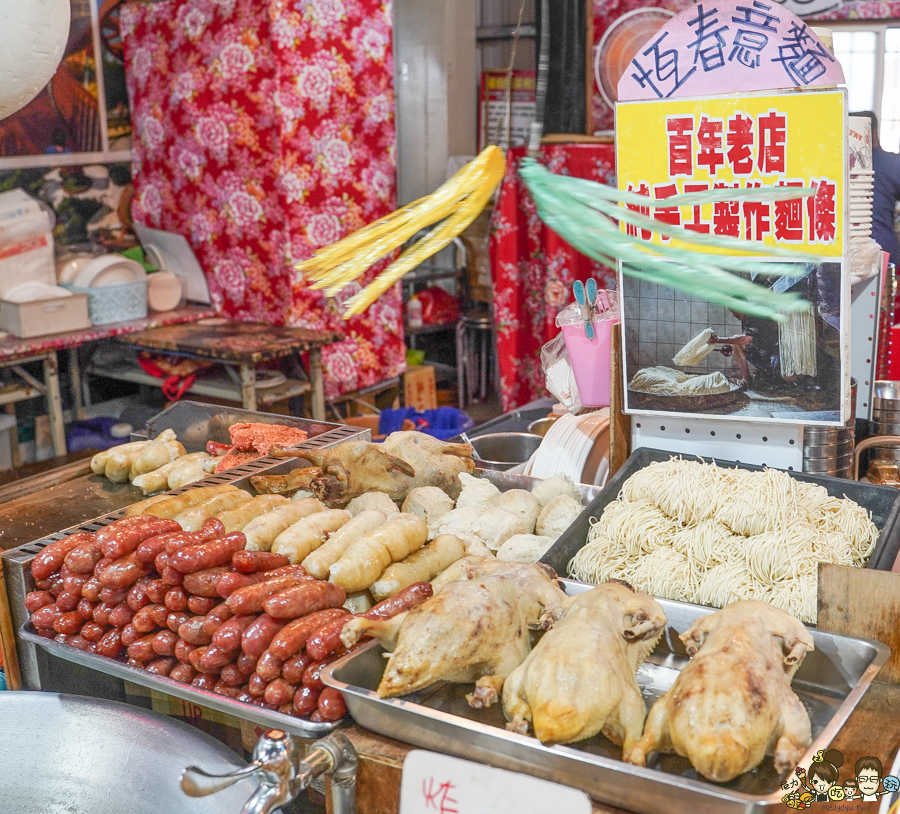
437,784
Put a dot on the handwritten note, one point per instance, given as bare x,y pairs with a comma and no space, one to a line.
729,46
437,784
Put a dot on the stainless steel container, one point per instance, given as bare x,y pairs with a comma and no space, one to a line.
65,754
503,450
829,450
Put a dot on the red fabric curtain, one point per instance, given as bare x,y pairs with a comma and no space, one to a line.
262,131
533,268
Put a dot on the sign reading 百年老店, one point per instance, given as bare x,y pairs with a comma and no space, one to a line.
687,356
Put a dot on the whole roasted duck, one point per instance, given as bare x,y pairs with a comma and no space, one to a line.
403,462
733,704
473,630
580,678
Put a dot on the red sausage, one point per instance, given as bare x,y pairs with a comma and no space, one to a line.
212,529
161,667
233,581
294,636
205,681
331,704
73,583
125,540
404,600
175,620
44,618
233,677
149,549
279,692
246,664
102,612
93,632
91,589
143,620
114,596
86,608
137,595
251,598
176,598
69,623
123,573
52,556
202,605
215,618
327,639
207,555
205,583
142,650
222,688
256,686
79,642
183,673
192,631
67,602
164,643
228,636
215,658
56,585
253,562
120,615
111,643
306,700
312,675
257,637
268,666
110,531
194,657
305,599
245,696
183,651
35,600
156,591
129,635
292,670
170,576
82,558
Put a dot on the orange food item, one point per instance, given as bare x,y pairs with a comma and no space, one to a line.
262,437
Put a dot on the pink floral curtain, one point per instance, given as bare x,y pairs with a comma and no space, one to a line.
262,131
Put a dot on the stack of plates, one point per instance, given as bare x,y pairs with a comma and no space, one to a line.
862,182
108,270
577,446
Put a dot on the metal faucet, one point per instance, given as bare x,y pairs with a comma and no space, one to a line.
284,773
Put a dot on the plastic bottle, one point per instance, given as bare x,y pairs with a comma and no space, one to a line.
414,313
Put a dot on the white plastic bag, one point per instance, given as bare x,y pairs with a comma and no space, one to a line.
559,376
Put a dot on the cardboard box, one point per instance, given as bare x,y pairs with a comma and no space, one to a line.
419,389
29,319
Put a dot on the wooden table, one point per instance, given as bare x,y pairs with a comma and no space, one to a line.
15,352
239,347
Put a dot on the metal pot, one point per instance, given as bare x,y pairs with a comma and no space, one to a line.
503,450
65,754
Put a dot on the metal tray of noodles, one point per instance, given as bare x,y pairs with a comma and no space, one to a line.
882,501
830,683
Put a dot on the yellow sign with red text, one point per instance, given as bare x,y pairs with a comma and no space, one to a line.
668,147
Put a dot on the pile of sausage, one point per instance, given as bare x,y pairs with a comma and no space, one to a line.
198,608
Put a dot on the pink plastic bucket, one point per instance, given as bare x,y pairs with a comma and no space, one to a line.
591,360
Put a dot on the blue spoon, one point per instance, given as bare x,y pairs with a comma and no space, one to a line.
578,289
591,291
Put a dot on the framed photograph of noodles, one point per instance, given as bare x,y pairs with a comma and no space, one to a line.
81,117
686,356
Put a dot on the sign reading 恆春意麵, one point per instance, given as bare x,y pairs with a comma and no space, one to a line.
731,46
793,371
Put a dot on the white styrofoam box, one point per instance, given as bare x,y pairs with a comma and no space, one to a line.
26,242
42,317
865,309
749,442
7,428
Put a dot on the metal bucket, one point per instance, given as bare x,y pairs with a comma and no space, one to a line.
65,754
503,450
828,450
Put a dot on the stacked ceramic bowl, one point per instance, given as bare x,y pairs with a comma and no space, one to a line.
886,417
829,450
577,446
862,177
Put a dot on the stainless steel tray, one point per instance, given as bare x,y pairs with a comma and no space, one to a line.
830,683
221,703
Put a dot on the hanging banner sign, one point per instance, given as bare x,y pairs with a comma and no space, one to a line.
733,46
688,357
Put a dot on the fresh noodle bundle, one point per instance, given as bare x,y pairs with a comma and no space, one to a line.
695,532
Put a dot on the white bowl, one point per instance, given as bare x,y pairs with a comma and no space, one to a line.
109,269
